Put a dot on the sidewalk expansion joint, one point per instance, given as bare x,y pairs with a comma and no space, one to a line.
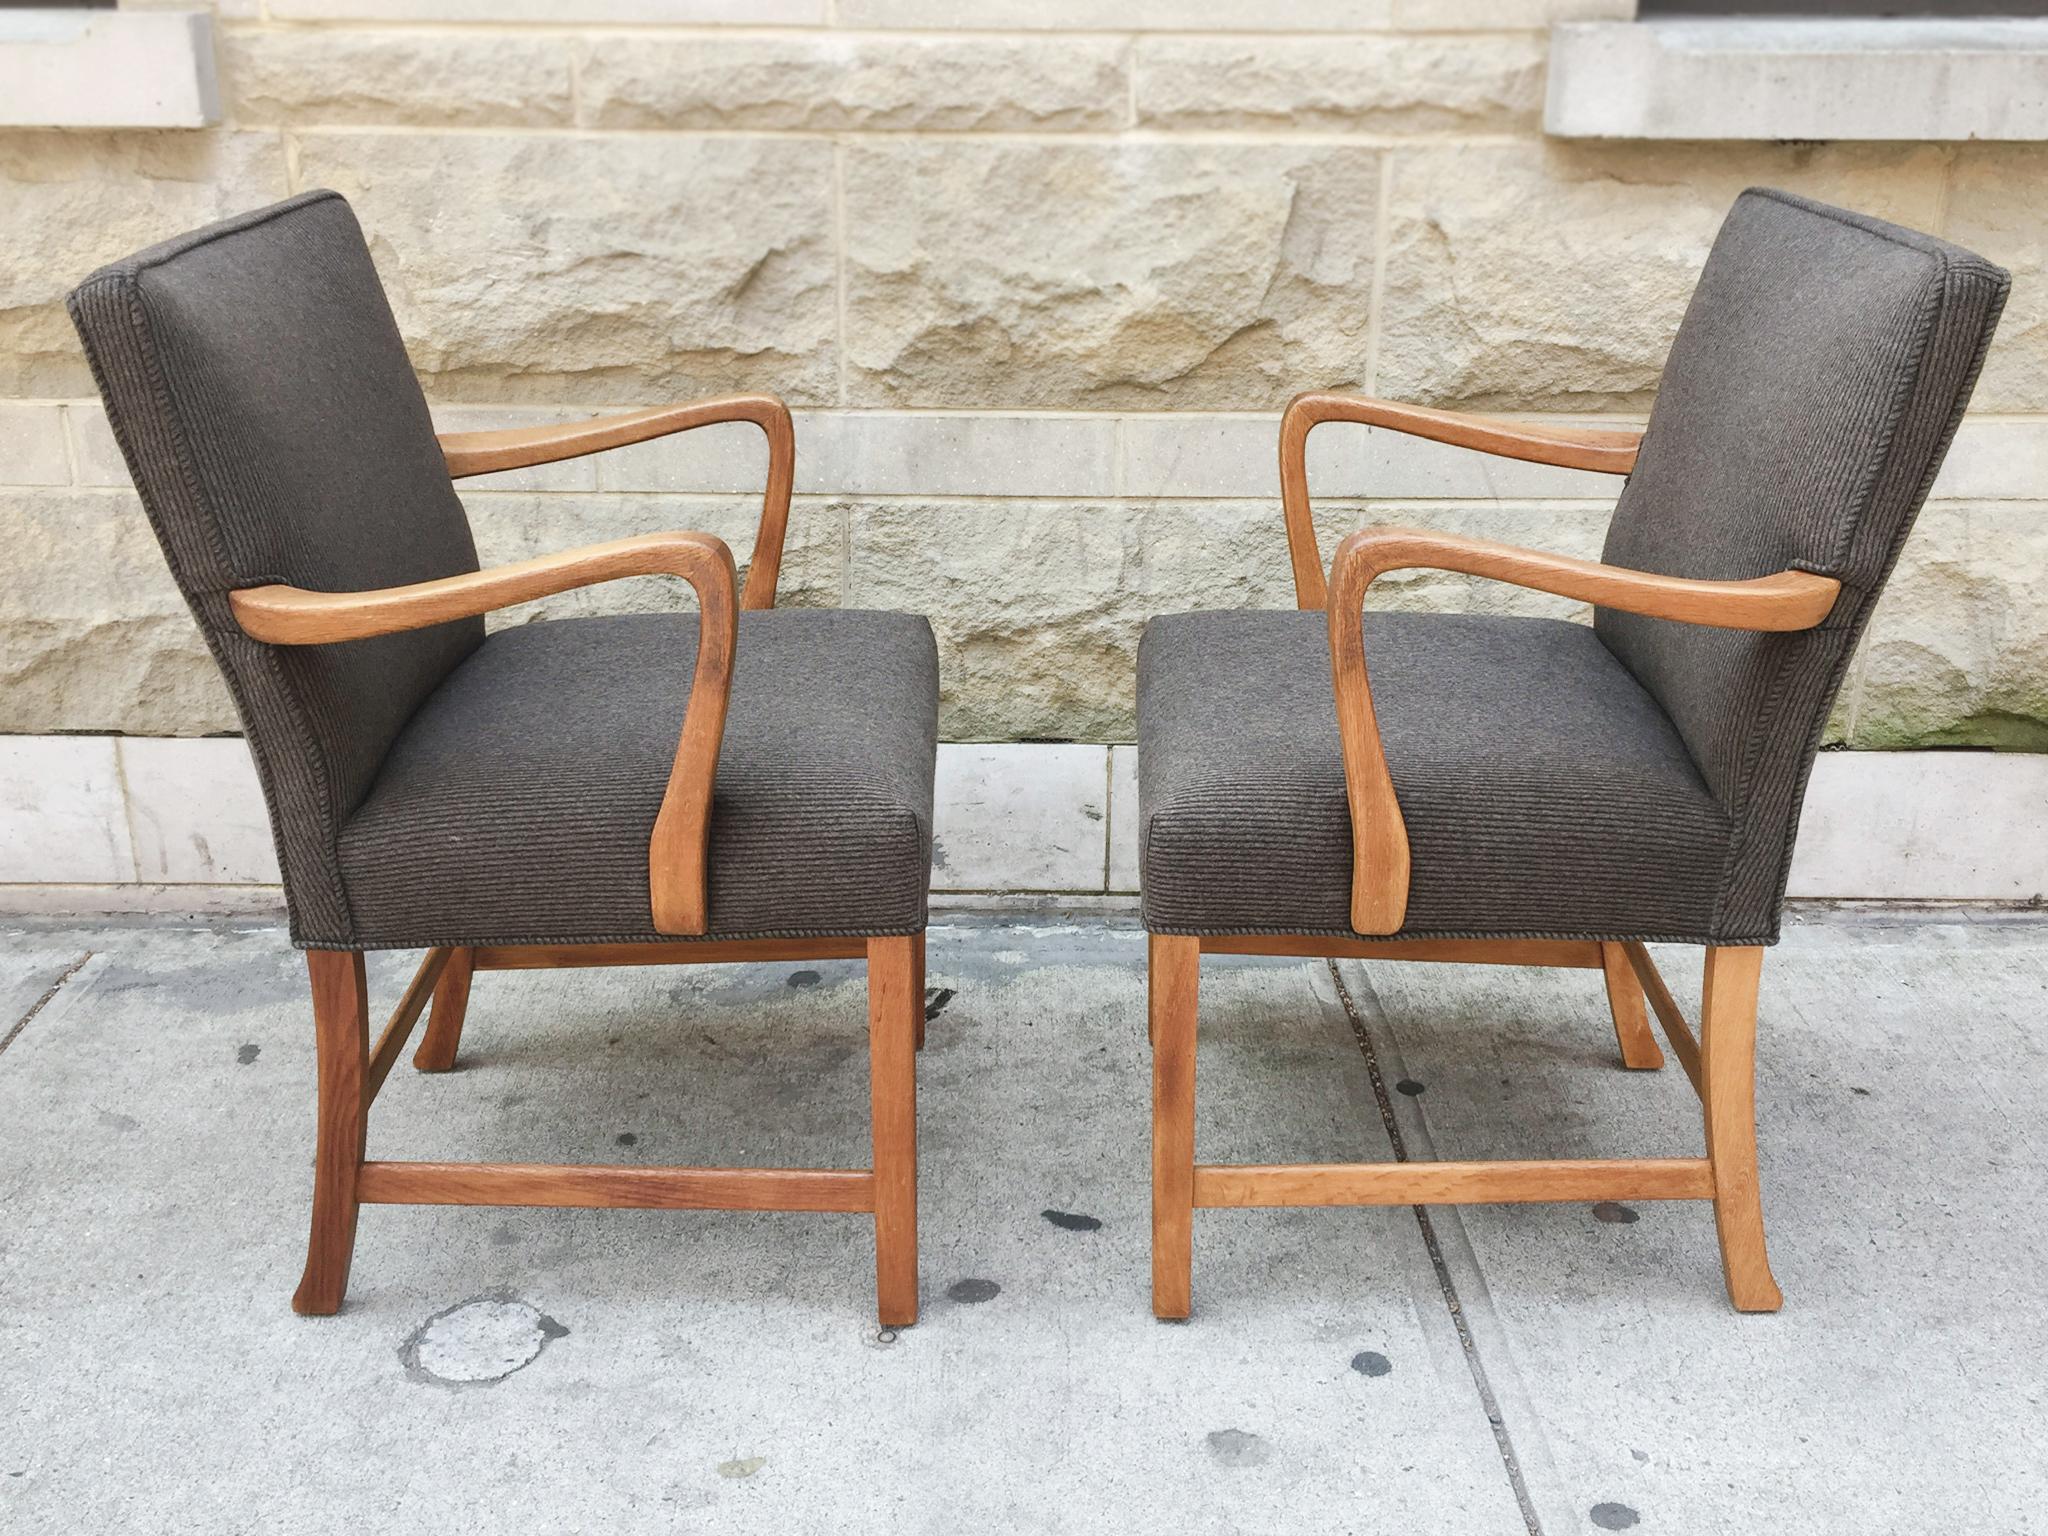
1502,1440
42,1002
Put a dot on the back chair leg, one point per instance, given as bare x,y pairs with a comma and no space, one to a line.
1728,1093
895,1010
1639,1050
917,959
1173,979
341,1022
444,1022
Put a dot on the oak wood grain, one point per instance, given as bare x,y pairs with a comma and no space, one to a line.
1606,450
341,1026
548,957
1174,972
480,453
895,1003
1646,1178
1728,1077
667,1189
1573,954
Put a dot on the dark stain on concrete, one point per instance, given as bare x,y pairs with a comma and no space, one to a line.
1370,1362
935,1000
113,1120
972,1291
1237,1448
247,1054
1616,1214
802,979
1613,1517
1070,1221
1409,1086
1861,1093
502,1235
627,1139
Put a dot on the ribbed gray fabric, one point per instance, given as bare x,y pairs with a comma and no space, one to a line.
1544,791
257,385
1809,399
1807,403
517,805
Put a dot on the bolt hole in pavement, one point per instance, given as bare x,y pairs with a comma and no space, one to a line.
1495,1369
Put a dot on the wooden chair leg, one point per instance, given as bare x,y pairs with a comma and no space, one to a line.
444,1020
341,1022
1639,1050
1173,980
1728,1094
917,960
895,1005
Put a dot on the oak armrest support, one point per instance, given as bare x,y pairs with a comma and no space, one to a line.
677,851
482,453
1603,450
1786,601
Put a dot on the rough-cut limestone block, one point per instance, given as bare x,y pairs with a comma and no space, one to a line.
32,444
70,202
1365,83
512,526
1555,276
467,80
830,83
93,634
1957,653
1105,274
578,269
1039,605
1998,207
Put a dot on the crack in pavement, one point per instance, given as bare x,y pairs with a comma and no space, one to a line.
1503,1441
43,1002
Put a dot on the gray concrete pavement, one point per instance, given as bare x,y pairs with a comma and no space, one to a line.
625,1371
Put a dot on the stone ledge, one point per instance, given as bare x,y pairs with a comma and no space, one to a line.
150,824
107,69
1822,79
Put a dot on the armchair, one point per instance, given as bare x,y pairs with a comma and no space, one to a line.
748,784
1536,792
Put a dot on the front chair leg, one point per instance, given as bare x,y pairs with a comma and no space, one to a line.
1728,1093
341,1023
1173,981
895,1008
1639,1050
444,1020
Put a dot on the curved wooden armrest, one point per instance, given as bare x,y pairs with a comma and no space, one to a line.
481,453
676,854
1789,600
1607,451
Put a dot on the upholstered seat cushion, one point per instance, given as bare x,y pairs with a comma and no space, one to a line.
1545,793
517,804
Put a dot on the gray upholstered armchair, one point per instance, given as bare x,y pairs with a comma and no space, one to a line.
744,784
1537,792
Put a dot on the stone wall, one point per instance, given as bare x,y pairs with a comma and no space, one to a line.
1037,290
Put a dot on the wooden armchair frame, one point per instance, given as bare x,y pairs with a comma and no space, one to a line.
352,1070
1720,1062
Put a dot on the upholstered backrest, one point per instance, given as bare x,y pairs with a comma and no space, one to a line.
257,384
1809,398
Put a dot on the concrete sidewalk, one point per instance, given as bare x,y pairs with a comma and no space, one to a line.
1485,1369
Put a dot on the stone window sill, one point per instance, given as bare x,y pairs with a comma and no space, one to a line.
107,69
1799,79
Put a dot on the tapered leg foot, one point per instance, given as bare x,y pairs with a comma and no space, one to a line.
1728,1092
1639,1050
1173,981
444,1019
341,1022
895,1009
